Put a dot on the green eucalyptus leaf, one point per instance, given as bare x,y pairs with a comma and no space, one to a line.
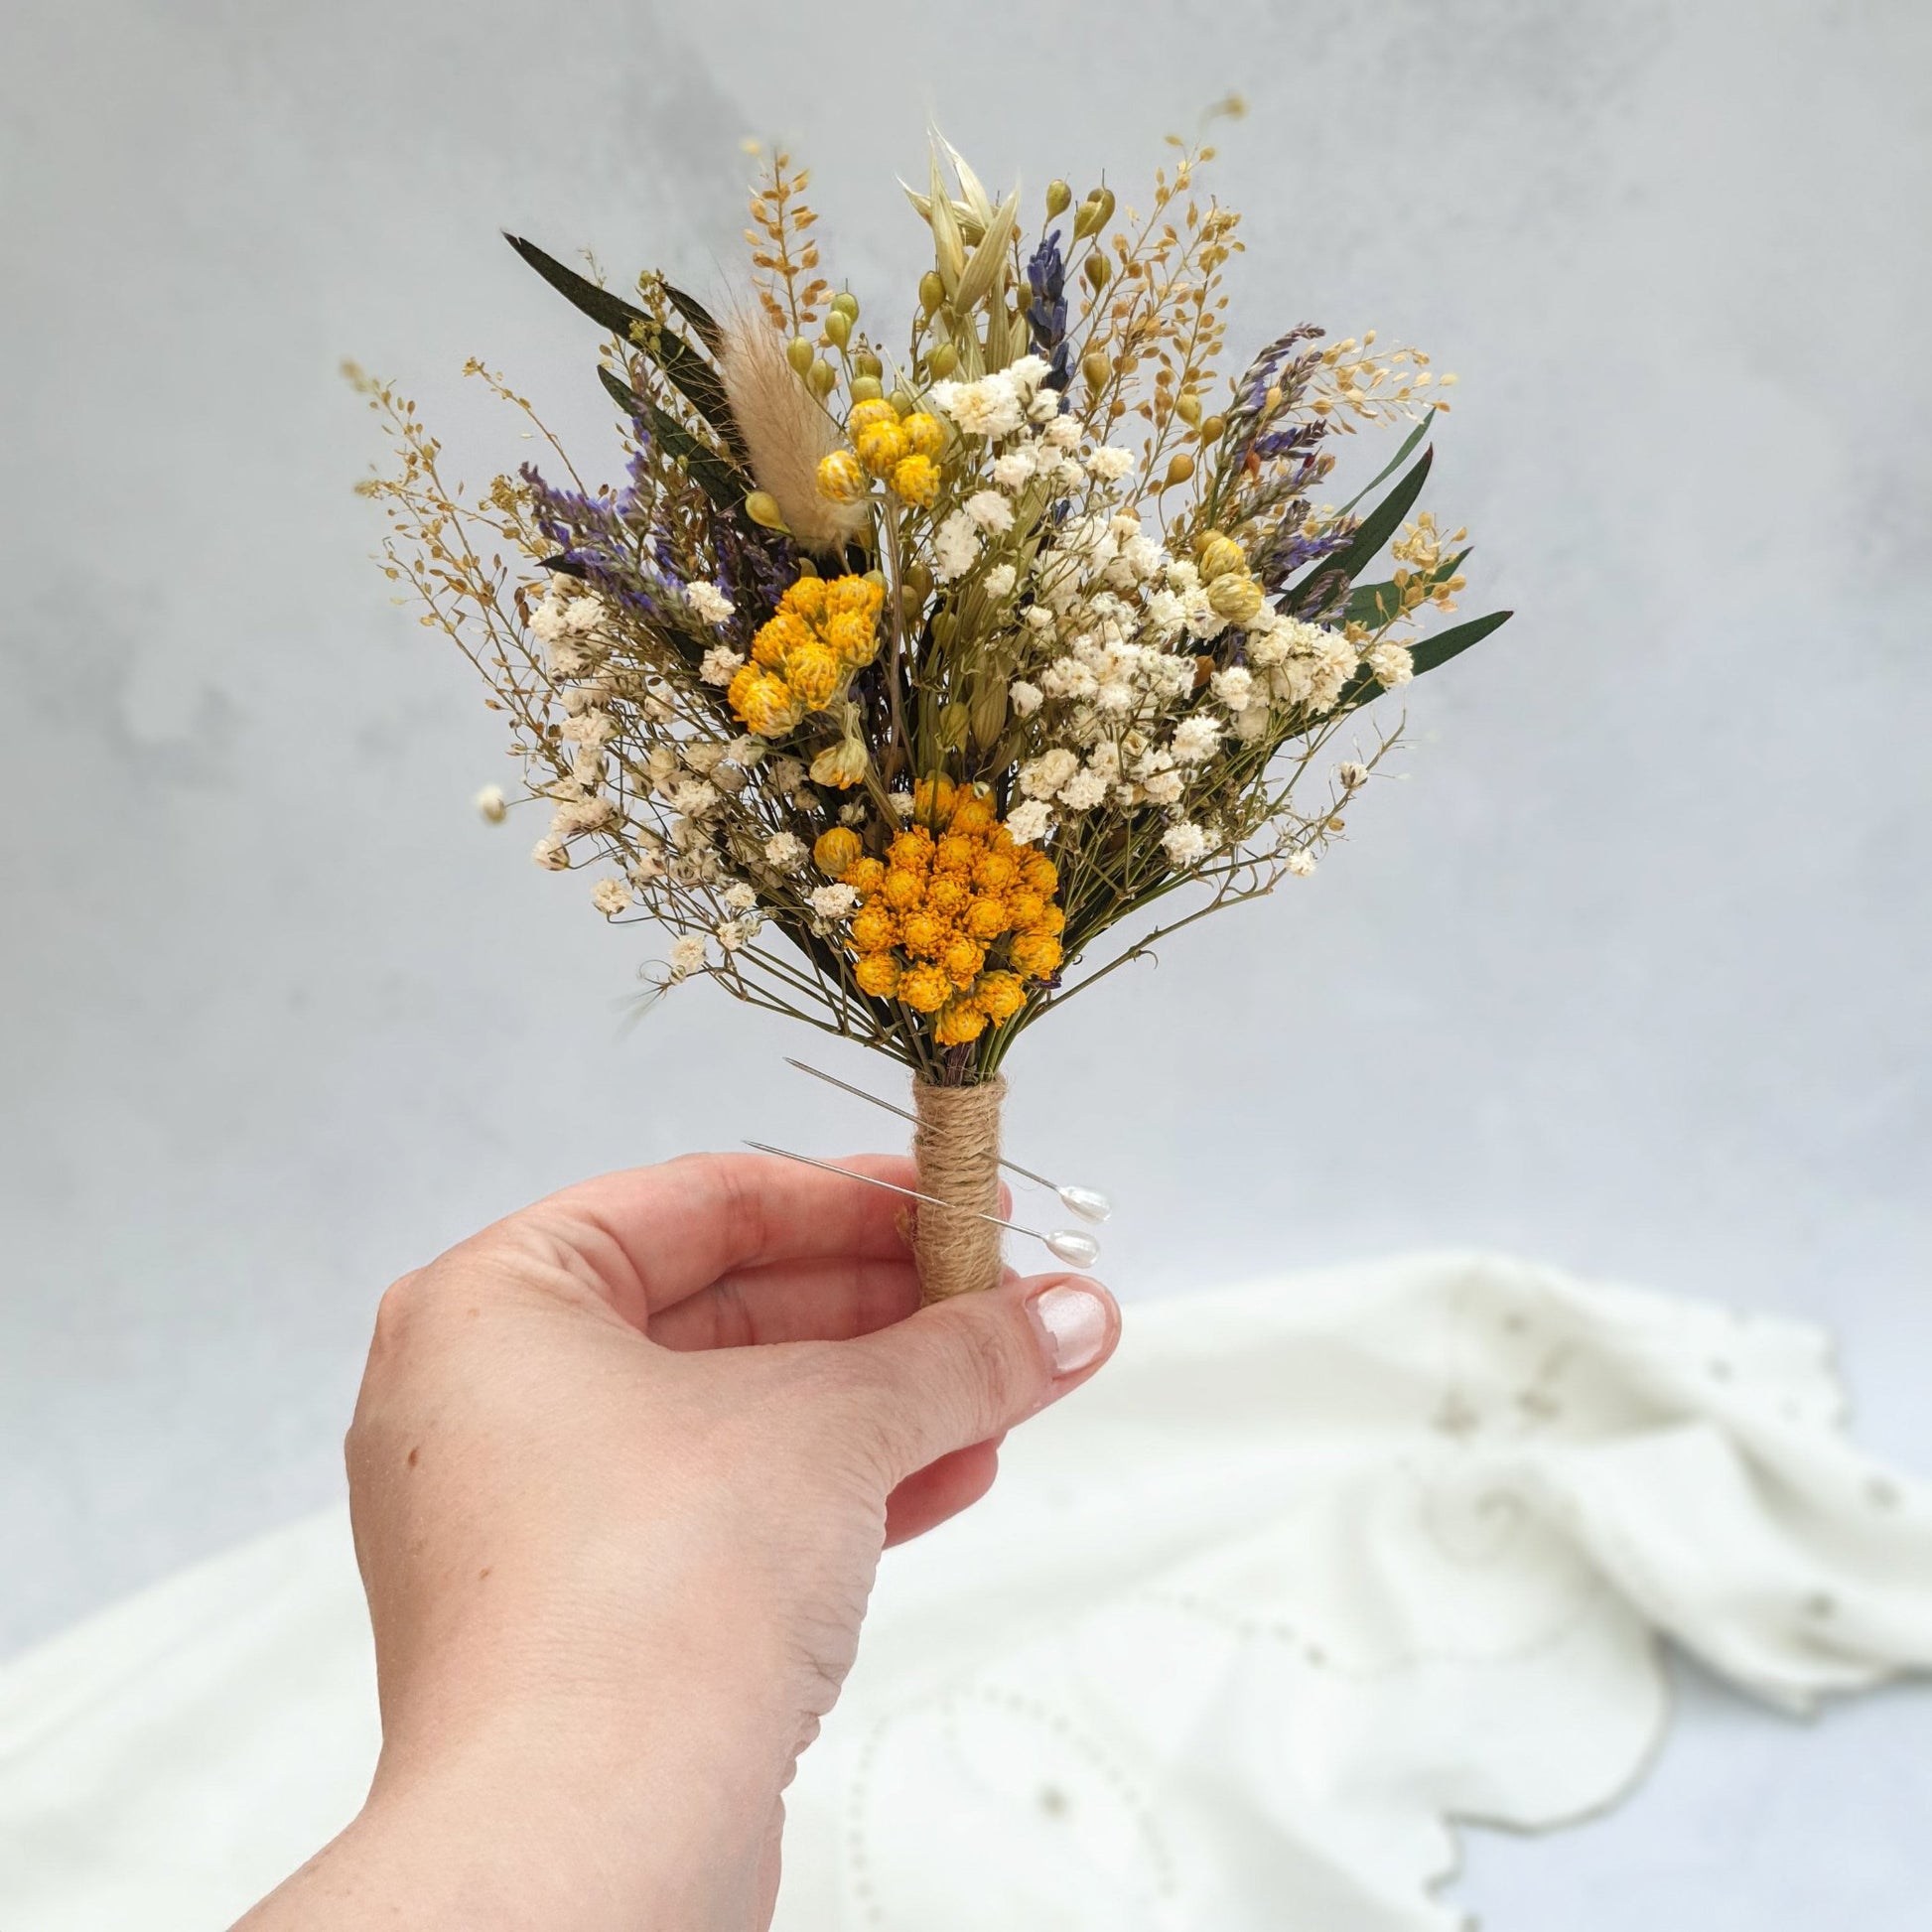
1431,652
1325,580
1373,605
1394,463
1427,654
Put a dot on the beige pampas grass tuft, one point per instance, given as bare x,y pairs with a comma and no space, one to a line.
785,432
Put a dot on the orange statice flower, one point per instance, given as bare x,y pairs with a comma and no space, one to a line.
955,921
804,656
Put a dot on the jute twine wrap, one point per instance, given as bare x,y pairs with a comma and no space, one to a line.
957,1146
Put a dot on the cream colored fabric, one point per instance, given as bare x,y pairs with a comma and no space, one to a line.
1314,1568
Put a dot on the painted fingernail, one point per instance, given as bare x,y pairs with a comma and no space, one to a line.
1075,1320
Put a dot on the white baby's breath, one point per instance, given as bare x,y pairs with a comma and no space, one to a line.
835,901
1029,822
710,602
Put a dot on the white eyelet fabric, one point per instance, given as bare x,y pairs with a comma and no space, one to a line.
1314,1568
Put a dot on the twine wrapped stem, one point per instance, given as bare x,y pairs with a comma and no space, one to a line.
957,1146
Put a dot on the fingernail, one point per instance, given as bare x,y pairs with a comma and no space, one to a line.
1075,1320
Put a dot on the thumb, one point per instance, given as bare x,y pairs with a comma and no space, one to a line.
964,1369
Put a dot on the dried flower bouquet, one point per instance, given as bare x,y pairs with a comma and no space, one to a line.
891,683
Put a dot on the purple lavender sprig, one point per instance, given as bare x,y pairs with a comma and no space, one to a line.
1046,312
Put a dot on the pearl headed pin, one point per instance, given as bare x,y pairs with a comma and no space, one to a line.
1089,1203
1071,1245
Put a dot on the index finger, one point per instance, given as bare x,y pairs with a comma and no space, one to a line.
650,1236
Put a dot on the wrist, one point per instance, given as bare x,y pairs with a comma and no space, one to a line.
592,1846
514,1827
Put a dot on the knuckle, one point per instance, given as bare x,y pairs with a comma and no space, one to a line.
398,1312
1002,1367
407,1338
726,1181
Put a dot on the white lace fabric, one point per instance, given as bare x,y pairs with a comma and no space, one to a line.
1317,1567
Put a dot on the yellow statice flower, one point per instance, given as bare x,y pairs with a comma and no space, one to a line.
803,656
915,479
836,852
903,453
869,415
878,974
881,446
840,477
808,598
814,674
875,930
959,1021
765,701
851,596
1035,954
1000,996
777,640
954,918
925,435
925,988
853,637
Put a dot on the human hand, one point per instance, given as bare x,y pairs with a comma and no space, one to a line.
620,1474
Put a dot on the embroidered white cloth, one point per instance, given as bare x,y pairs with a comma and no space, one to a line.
1317,1567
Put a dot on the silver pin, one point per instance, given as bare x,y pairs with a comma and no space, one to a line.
1074,1246
1087,1203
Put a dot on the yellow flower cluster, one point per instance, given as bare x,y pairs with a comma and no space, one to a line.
804,656
956,918
902,451
1232,592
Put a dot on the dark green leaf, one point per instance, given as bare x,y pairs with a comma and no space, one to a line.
600,305
681,363
693,375
715,477
697,315
1382,523
622,394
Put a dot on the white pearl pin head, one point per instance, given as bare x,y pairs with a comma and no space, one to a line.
1087,1203
1074,1246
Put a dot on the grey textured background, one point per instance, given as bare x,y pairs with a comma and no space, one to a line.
1629,972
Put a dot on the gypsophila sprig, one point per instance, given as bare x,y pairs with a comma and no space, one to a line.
892,676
